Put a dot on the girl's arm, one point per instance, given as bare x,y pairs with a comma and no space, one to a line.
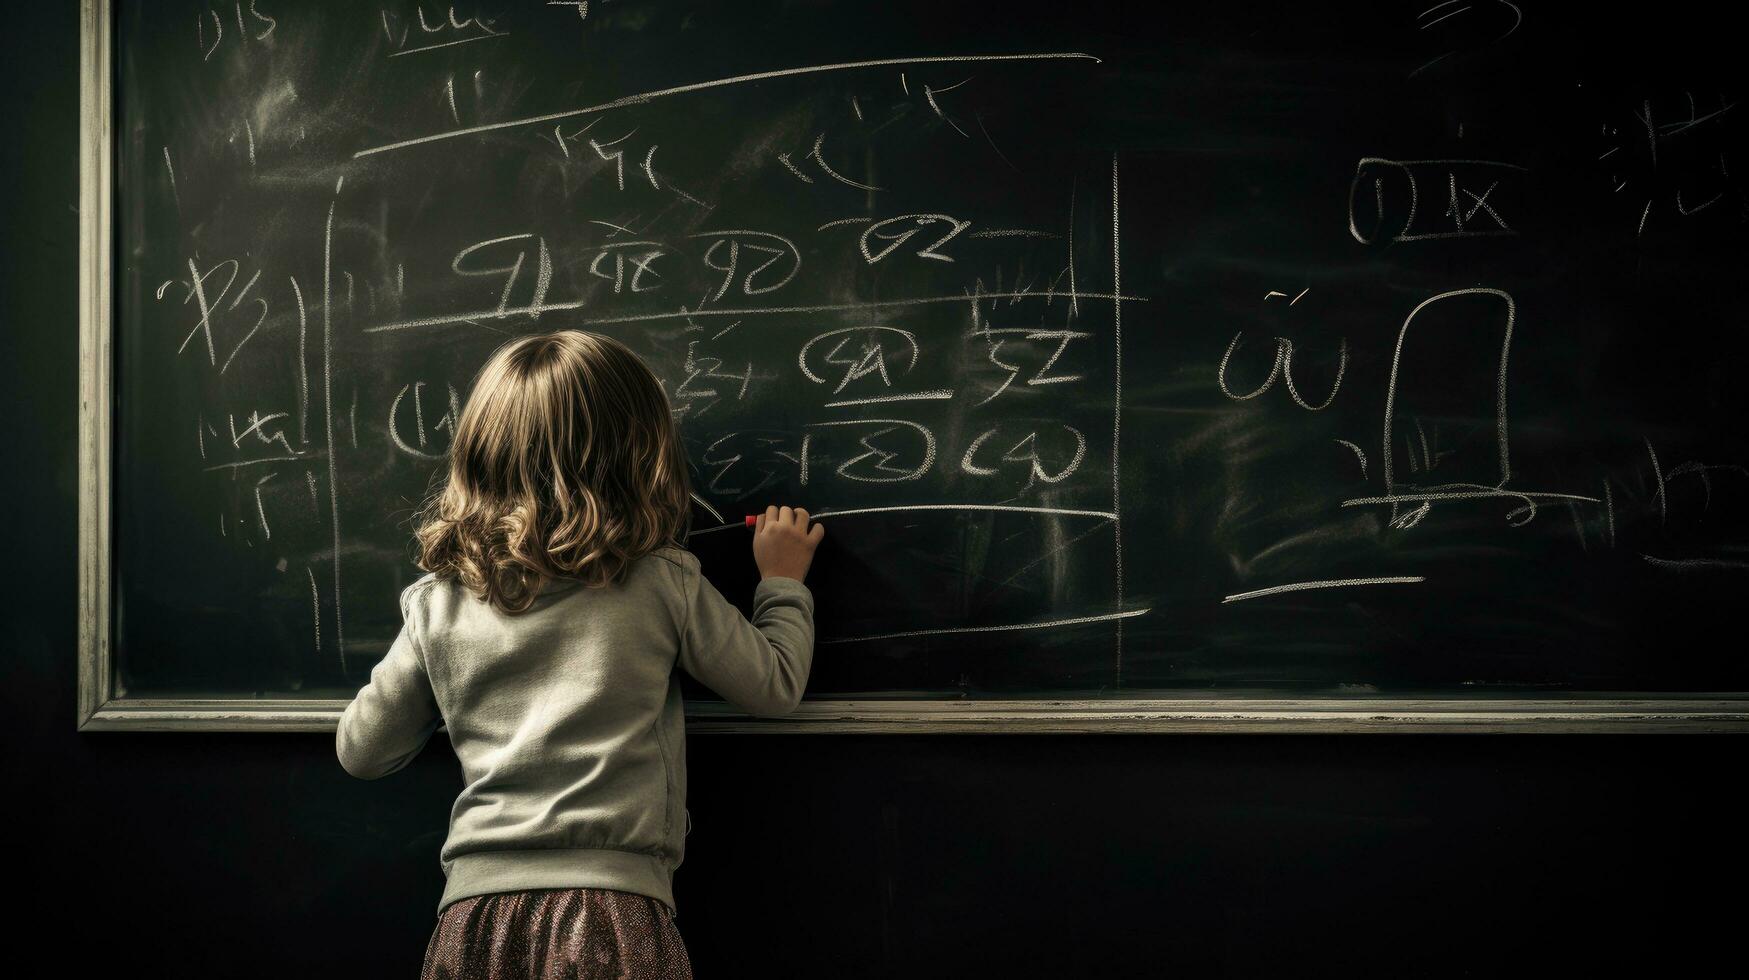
761,666
393,717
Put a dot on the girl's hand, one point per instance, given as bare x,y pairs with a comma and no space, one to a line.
783,543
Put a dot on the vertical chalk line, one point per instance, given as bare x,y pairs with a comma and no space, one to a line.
261,509
328,416
315,605
303,367
1609,510
1074,301
1658,475
175,194
1116,417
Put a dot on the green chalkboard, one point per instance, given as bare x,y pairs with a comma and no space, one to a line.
1126,351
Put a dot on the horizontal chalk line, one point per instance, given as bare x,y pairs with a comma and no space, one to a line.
718,83
940,394
446,44
1696,563
1131,614
742,311
1329,584
902,508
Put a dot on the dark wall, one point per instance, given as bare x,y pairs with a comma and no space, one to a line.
232,855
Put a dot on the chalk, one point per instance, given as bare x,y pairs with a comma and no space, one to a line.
751,520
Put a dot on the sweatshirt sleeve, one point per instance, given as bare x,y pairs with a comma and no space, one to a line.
761,666
394,715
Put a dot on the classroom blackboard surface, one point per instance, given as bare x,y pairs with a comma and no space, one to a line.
1320,354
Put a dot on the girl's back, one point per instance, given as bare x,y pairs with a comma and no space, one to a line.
568,722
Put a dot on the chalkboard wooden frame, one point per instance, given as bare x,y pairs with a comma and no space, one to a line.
103,707
1187,715
97,694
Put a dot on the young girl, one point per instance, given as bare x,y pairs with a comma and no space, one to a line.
557,605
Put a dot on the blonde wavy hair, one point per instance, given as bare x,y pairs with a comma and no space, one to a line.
566,464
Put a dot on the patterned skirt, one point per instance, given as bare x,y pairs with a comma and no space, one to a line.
546,934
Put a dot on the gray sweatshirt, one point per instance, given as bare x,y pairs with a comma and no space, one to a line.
567,718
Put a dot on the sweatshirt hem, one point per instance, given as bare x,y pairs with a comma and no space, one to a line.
486,872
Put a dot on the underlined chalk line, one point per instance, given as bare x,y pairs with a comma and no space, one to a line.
902,508
743,311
